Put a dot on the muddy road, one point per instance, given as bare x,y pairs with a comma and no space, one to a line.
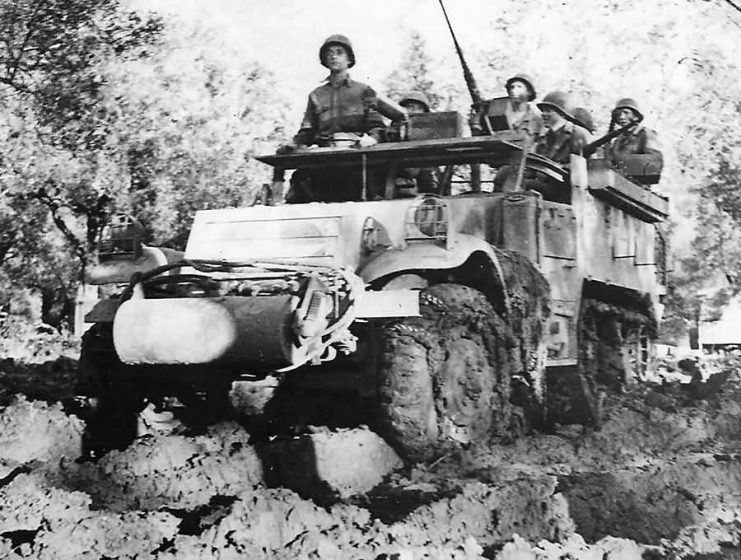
661,479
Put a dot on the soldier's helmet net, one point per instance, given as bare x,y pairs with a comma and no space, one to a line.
628,103
416,96
525,79
561,102
336,39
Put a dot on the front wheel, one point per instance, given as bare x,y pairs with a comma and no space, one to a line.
113,393
445,376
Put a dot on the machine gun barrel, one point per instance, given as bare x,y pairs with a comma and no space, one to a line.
589,149
467,75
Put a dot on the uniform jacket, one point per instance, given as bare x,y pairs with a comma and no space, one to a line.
560,144
530,120
338,108
640,140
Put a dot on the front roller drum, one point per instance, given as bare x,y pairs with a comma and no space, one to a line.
255,331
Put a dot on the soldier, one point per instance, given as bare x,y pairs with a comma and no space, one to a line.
562,137
415,102
637,141
337,107
522,113
583,118
413,180
340,104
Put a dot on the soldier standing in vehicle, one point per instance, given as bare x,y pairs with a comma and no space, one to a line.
520,110
583,118
415,102
413,180
522,113
340,106
639,140
562,138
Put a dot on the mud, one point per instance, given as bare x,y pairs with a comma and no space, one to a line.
661,479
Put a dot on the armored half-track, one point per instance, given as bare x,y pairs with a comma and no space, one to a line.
463,313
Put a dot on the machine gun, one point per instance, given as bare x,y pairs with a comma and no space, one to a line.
473,90
589,149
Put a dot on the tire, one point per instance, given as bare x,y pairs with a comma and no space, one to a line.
113,393
615,347
444,377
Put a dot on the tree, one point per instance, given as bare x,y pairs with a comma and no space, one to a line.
129,127
50,83
413,74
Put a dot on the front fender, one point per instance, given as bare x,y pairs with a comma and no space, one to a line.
429,256
119,272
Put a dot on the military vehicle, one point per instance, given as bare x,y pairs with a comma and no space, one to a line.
463,312
460,312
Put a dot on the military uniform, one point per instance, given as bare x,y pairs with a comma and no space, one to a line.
530,120
558,145
338,108
339,105
640,140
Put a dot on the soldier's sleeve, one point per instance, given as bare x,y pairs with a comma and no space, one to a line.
536,126
652,146
581,139
307,131
374,124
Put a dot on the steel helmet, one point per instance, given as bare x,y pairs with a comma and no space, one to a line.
561,102
628,103
337,39
525,79
583,118
417,96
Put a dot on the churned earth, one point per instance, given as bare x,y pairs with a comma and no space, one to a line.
660,479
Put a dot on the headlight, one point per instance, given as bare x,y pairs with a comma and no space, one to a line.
429,219
120,239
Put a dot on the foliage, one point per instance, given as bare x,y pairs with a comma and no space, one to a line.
120,115
414,72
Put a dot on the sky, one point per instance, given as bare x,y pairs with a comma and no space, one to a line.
290,32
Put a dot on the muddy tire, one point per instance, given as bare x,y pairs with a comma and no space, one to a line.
112,390
445,376
615,347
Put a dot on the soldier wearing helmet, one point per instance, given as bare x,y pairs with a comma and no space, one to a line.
638,140
415,102
522,113
516,112
340,104
413,180
562,137
339,110
583,118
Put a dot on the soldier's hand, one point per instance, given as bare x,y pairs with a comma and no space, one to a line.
286,149
367,141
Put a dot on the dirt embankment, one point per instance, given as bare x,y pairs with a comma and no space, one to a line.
661,479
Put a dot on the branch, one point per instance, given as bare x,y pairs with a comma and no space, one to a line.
54,206
26,39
